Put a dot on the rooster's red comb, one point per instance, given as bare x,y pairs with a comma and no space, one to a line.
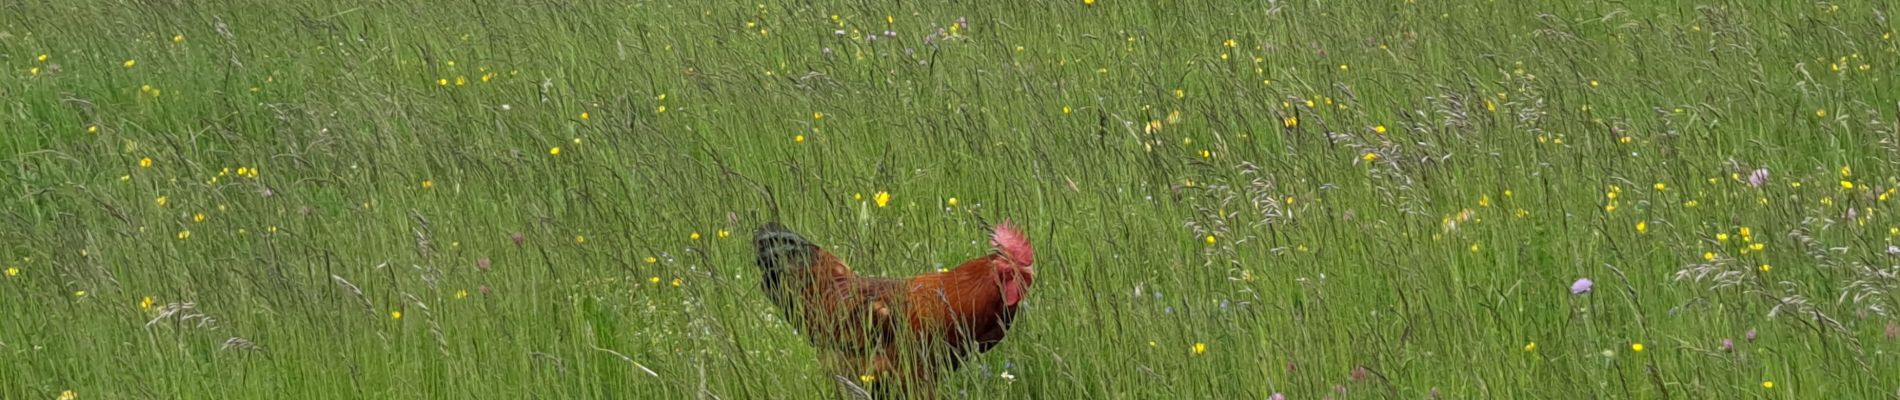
1011,242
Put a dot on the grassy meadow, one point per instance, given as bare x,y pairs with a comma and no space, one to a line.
501,199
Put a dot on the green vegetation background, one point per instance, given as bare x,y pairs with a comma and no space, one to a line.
518,199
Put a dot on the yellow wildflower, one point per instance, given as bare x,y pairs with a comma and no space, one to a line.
654,280
882,198
1661,187
1200,348
677,282
1708,256
1767,384
798,138
161,200
1210,239
130,63
13,271
578,239
1530,347
1765,268
178,38
68,395
724,233
1378,128
146,303
585,116
554,151
1847,185
199,217
1369,157
695,236
184,234
145,162
951,202
1820,113
1636,347
1642,227
461,294
652,259
1721,236
397,314
428,184
817,116
1290,121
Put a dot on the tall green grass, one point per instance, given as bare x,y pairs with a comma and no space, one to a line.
1229,199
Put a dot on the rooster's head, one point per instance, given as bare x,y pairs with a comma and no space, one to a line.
1014,262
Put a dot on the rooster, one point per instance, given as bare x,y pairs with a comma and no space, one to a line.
895,334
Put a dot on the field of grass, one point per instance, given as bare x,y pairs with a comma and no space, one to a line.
1363,199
